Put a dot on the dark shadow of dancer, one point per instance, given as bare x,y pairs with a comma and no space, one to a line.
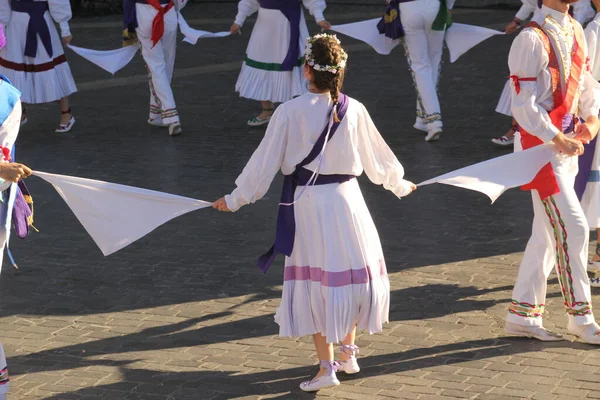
156,385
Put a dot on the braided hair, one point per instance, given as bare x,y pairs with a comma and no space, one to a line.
327,51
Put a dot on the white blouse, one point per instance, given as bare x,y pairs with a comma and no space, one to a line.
248,7
529,59
296,125
529,7
592,31
60,10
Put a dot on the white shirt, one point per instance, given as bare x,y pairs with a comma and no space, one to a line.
357,146
592,31
529,7
583,11
249,7
60,10
529,59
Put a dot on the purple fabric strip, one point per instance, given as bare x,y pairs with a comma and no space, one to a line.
292,10
130,15
392,29
37,25
286,220
585,167
333,279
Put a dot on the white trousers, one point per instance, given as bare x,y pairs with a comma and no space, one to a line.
559,238
4,382
160,61
424,53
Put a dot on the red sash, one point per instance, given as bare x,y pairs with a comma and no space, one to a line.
545,181
158,23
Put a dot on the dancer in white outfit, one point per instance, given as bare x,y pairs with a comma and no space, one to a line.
36,65
425,23
335,277
272,69
154,23
10,121
590,196
548,96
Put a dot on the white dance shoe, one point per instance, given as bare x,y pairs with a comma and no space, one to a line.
350,366
175,129
325,381
66,128
595,282
588,333
433,135
535,332
157,122
420,126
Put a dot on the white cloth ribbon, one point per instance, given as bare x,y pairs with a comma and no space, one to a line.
117,215
192,35
493,177
460,38
109,60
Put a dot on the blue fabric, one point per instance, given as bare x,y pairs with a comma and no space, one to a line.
594,176
10,96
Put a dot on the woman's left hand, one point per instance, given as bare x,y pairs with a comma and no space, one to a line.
221,205
325,25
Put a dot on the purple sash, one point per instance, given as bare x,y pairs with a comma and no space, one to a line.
390,24
286,220
292,10
37,25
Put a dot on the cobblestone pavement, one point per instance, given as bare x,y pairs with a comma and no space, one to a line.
184,314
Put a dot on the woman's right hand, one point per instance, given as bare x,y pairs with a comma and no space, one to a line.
235,29
511,28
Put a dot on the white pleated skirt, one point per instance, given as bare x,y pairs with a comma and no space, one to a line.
504,104
51,84
336,276
259,78
590,202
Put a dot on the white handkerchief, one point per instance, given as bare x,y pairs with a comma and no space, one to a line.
108,60
117,215
493,177
192,35
367,32
460,38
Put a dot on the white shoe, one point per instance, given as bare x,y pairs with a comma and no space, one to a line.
350,366
66,128
420,126
595,282
536,332
325,381
504,141
258,121
594,266
433,135
157,122
588,333
175,129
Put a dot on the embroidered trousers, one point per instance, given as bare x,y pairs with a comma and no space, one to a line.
160,61
559,239
424,53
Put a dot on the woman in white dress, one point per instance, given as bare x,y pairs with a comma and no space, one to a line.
335,277
272,69
33,58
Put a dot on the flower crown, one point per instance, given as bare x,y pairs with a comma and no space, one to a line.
310,59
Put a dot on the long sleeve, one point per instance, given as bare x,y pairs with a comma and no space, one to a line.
591,38
589,100
256,178
179,4
245,9
316,8
60,10
5,12
9,130
525,109
378,160
450,4
526,9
